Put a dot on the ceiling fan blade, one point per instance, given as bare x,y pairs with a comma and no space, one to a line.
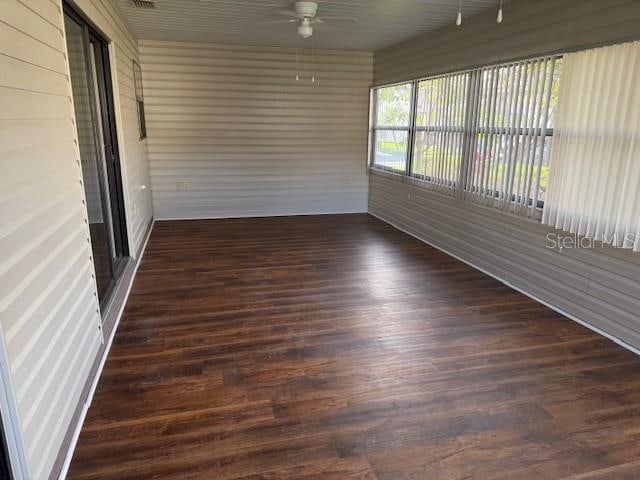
271,22
289,13
262,5
323,27
337,19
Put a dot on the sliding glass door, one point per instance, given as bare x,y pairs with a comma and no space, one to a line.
5,466
97,141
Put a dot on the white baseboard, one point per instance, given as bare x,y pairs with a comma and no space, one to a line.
103,359
591,327
239,216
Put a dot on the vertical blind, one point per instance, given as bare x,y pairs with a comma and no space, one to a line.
510,129
483,135
441,112
594,185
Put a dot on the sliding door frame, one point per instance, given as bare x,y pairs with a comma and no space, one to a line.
96,46
112,153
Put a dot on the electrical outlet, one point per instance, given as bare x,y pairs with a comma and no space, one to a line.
182,186
346,182
134,210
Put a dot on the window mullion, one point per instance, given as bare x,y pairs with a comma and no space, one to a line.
473,133
412,128
470,113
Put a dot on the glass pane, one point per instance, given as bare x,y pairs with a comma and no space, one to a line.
391,149
442,101
393,106
437,156
493,172
493,169
555,89
441,112
516,105
517,95
142,123
544,172
90,156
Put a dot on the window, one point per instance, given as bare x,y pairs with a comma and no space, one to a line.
391,127
440,129
484,133
512,130
137,80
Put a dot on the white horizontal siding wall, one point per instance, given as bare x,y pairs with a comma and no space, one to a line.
233,134
530,27
598,286
601,286
48,305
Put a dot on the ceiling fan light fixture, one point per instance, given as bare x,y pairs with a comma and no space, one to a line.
305,30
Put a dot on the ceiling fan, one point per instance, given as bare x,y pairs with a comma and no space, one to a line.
305,14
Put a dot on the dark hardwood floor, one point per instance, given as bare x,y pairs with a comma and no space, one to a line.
336,347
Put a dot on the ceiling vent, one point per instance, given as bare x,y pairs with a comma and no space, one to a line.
143,3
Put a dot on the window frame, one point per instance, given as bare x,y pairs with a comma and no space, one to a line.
469,132
535,132
387,128
451,184
137,84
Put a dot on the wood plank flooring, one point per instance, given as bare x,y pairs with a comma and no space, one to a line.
336,347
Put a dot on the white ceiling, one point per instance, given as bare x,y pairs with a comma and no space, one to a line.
381,22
